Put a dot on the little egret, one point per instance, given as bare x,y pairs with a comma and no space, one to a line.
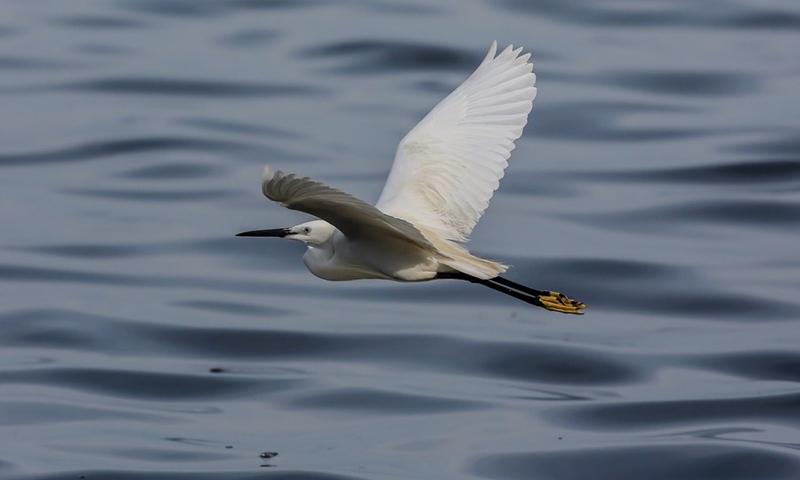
444,173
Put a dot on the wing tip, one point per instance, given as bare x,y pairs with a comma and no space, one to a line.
266,177
492,52
268,173
516,56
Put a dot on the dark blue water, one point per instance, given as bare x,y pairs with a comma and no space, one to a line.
658,181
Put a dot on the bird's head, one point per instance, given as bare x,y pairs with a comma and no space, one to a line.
313,233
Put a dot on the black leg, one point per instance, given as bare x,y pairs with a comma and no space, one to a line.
546,299
520,287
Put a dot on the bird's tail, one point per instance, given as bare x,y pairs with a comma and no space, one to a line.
546,299
456,256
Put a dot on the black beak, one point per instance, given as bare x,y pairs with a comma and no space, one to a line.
276,232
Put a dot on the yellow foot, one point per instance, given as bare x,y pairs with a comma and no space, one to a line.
559,302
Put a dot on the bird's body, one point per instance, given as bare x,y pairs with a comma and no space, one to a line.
341,259
444,174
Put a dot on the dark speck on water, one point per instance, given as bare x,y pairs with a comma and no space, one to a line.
657,181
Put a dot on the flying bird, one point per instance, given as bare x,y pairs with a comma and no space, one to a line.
444,174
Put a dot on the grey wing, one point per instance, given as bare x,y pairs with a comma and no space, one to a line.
354,217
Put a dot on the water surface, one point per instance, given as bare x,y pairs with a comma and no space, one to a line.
658,181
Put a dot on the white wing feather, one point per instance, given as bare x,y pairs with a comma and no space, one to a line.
448,166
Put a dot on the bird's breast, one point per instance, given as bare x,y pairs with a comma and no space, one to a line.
327,265
346,260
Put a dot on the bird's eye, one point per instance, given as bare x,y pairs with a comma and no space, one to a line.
306,230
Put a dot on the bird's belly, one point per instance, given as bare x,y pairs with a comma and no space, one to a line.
361,260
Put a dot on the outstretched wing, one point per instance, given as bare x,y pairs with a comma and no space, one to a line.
448,166
354,217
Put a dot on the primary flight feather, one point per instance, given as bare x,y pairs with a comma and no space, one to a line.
444,174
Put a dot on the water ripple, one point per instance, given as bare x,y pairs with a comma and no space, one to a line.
749,172
212,125
100,22
186,87
378,56
656,13
144,385
251,38
520,361
147,195
48,413
779,408
651,288
233,308
112,148
547,364
210,8
685,461
172,171
200,474
363,402
740,213
689,83
786,146
606,122
88,251
770,365
11,63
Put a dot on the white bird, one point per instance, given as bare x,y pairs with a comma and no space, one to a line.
444,174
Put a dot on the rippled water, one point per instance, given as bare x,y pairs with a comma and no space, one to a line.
658,181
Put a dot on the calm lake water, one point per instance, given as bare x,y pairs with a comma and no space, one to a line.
658,181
